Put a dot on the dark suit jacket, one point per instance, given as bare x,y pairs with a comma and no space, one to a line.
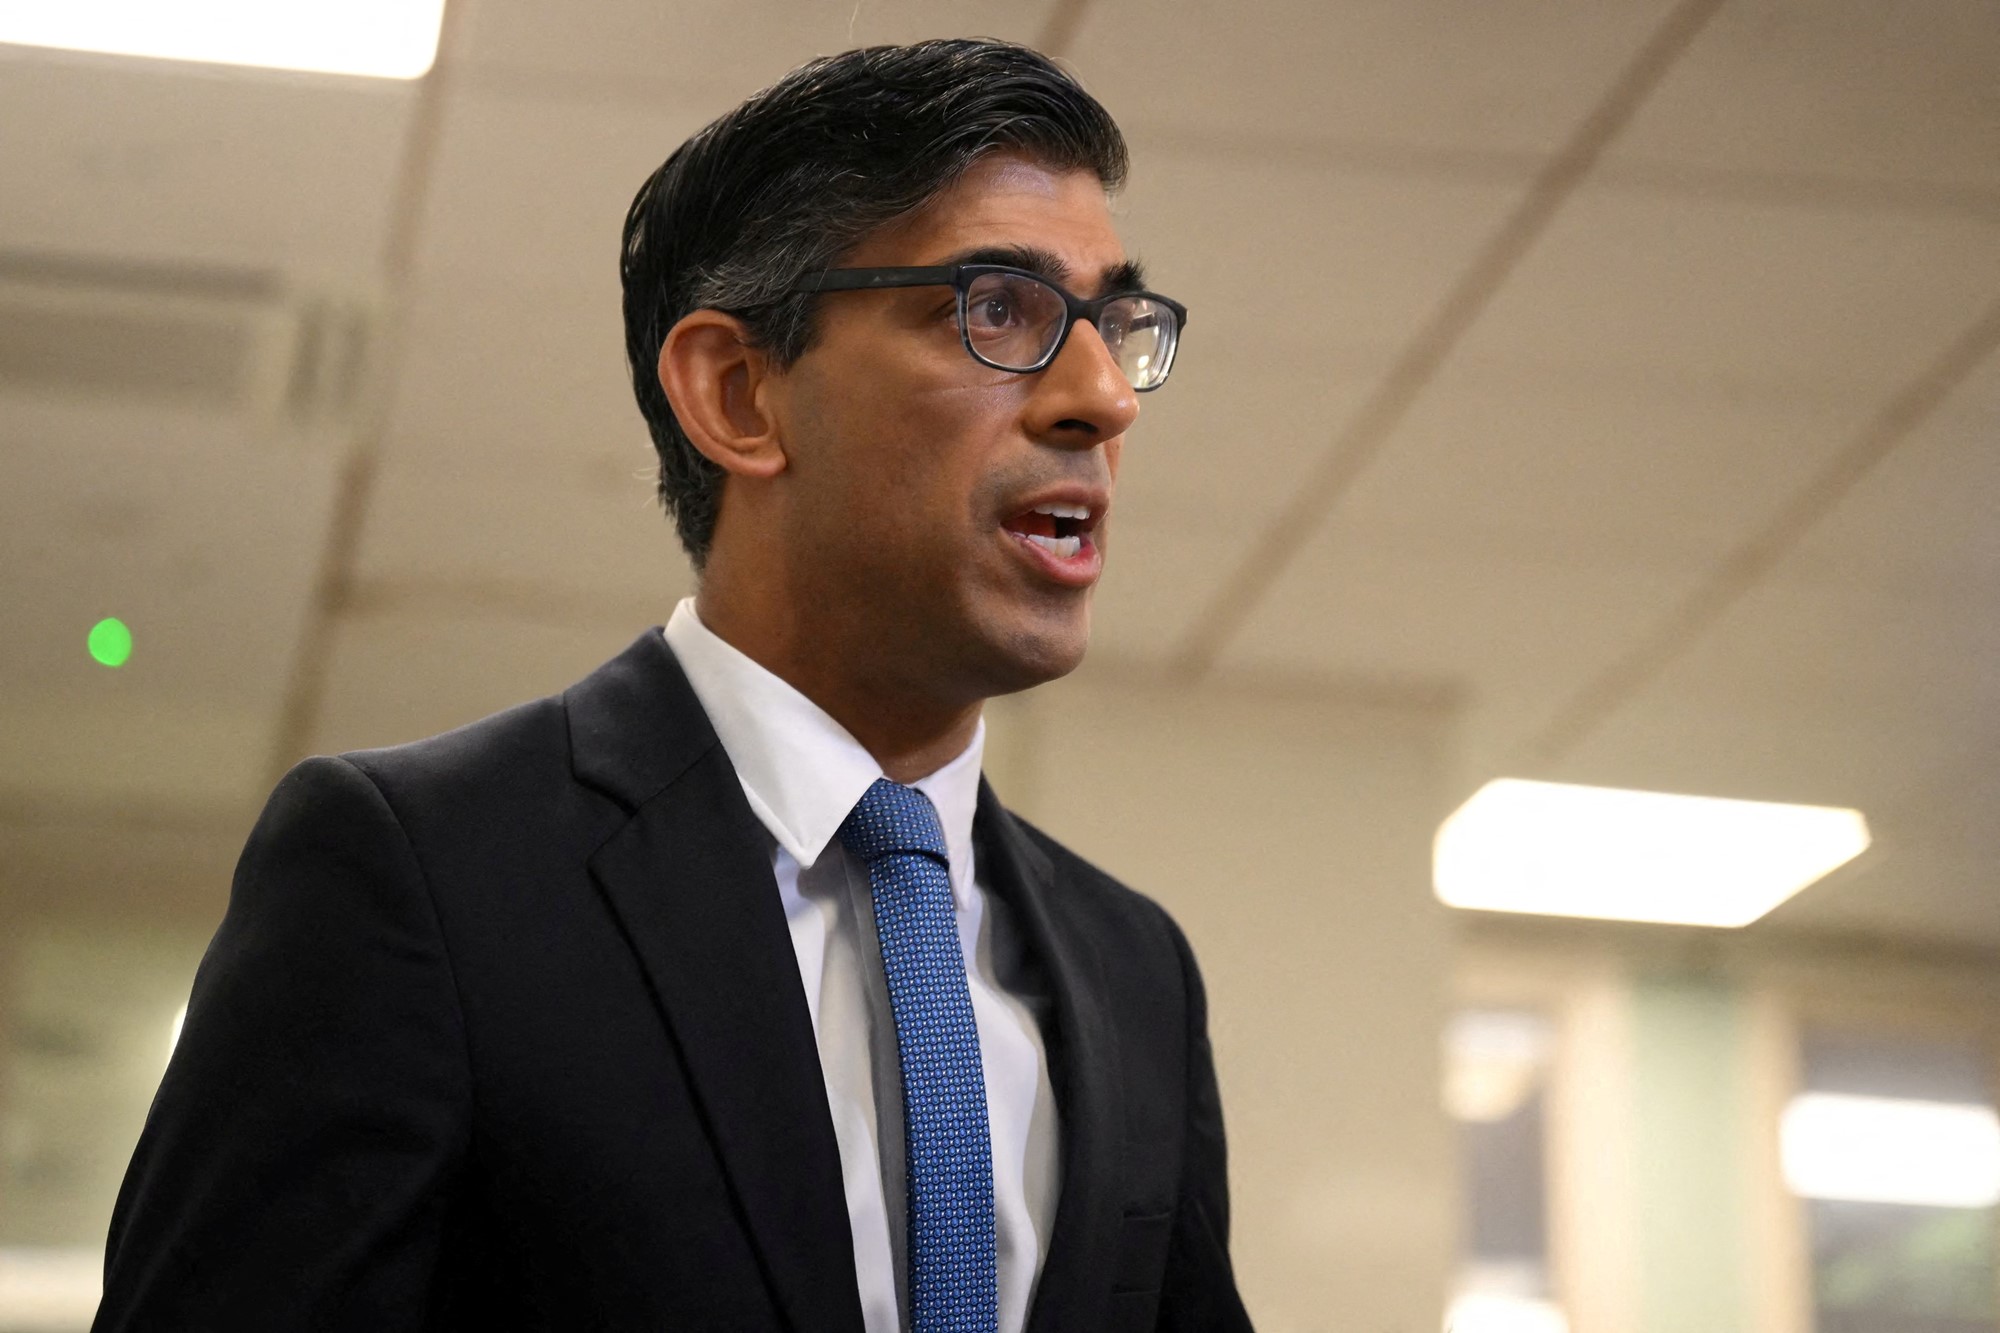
503,1029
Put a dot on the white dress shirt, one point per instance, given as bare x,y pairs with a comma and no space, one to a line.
802,773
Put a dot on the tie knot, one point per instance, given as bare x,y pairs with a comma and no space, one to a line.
892,818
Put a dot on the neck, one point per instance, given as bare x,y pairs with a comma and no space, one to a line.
909,732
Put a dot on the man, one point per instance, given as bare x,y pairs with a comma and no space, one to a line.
719,992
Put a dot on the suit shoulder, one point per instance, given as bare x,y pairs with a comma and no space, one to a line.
492,793
503,751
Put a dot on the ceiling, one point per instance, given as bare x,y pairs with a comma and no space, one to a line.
1626,371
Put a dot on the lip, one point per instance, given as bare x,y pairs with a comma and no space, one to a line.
1077,571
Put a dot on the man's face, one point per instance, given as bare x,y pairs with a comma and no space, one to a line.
914,474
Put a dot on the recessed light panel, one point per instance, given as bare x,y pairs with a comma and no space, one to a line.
1891,1150
1481,1312
389,39
1615,854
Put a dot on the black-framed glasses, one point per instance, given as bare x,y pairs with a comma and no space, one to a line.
1011,319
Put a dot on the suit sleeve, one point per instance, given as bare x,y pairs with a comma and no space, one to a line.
295,1166
1198,1292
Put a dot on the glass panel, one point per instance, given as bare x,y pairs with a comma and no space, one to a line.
1497,1065
1882,1264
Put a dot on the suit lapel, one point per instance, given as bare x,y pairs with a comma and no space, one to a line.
1075,1284
689,879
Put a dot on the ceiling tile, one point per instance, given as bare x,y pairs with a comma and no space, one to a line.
79,864
108,745
1848,88
1879,751
1301,281
534,188
1159,570
1843,695
1907,893
1502,75
155,160
1927,520
711,52
1473,608
493,371
1224,445
1723,294
514,334
1862,661
1526,526
548,521
413,672
1795,649
206,543
1308,264
1607,466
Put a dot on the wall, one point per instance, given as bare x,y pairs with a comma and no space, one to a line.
1290,836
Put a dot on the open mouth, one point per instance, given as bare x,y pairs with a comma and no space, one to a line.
1063,530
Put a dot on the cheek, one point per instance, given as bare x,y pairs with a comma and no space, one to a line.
954,441
907,450
910,480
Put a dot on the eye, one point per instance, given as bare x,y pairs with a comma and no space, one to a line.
992,310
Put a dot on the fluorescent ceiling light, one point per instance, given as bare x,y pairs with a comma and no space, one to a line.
1610,853
1891,1150
1486,1312
390,39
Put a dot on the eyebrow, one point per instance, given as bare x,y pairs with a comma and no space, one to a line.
1127,275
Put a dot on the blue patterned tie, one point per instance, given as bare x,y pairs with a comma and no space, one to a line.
894,831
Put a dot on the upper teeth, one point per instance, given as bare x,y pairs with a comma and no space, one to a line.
1063,511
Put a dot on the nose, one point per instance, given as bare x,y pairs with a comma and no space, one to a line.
1082,398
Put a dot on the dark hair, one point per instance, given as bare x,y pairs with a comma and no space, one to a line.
793,178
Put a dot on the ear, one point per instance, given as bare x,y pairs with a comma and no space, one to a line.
718,384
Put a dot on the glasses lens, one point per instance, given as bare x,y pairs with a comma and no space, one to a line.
1141,334
1012,320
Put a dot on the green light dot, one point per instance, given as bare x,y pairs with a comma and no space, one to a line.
110,642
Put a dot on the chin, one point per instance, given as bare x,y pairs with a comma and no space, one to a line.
1024,655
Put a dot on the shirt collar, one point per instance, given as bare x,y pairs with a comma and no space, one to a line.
802,771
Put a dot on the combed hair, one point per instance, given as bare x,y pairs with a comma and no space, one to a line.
798,175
